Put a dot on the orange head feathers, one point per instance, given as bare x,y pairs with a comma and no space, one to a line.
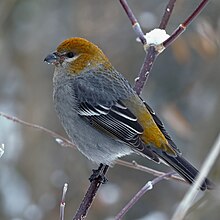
77,54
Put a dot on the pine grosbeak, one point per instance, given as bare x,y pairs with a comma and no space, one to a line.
103,115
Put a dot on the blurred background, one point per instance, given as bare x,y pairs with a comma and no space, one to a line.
183,89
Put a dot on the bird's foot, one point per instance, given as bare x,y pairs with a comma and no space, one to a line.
99,175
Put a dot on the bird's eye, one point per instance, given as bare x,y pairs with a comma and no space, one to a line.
70,54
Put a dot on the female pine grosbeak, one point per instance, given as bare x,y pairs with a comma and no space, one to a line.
103,115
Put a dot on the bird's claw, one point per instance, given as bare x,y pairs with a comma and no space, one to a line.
98,175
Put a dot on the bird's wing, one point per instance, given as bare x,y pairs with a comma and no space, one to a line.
117,121
101,101
107,113
162,128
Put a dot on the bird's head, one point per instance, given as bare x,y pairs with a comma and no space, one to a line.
77,54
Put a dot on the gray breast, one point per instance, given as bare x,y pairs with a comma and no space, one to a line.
95,145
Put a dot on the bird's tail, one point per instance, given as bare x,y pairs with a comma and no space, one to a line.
178,163
186,170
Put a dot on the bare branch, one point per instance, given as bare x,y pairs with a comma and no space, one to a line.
2,150
135,24
145,69
182,27
137,166
148,186
63,203
167,14
89,197
151,53
61,140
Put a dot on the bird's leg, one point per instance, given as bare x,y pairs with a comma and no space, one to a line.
99,174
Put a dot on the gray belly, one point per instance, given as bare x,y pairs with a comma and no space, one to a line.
95,145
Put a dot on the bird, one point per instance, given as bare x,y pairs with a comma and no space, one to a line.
103,115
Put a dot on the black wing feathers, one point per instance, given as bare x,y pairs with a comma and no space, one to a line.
117,121
162,128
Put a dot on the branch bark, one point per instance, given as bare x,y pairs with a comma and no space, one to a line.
182,27
167,14
148,186
89,197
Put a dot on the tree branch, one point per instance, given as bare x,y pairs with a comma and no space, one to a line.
135,165
89,197
148,186
135,24
167,14
63,203
182,27
151,53
147,65
61,140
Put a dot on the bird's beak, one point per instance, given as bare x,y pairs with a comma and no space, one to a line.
52,58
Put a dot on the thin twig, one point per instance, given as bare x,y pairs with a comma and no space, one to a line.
182,27
2,150
135,24
63,203
135,165
152,53
61,140
148,186
149,60
191,194
167,14
89,197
